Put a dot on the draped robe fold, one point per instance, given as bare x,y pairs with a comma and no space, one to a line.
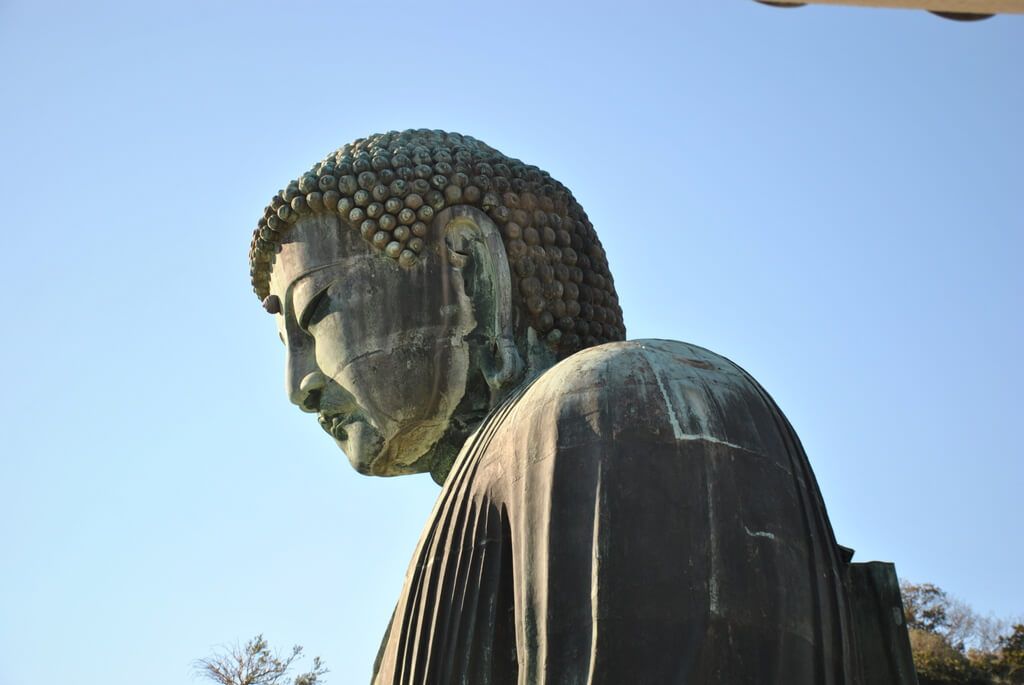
641,513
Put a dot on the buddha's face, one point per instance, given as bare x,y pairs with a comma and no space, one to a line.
377,350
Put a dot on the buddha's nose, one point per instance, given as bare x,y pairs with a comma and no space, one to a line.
306,394
303,380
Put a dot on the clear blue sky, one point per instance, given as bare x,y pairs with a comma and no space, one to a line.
830,197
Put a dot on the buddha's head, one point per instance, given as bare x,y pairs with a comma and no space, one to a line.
417,278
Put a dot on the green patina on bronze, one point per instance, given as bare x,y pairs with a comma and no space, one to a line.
636,512
389,187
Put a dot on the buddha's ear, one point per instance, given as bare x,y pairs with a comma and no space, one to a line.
473,247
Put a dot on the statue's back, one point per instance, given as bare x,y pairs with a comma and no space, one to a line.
642,512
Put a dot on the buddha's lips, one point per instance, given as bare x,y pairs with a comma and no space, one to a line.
334,424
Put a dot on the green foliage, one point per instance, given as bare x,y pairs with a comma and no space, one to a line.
939,663
1011,650
256,664
953,645
925,607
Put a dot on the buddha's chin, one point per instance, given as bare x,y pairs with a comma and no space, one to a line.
371,455
363,446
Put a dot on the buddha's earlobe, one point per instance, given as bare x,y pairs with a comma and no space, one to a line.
505,368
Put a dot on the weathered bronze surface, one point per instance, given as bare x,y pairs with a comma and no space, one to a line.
611,512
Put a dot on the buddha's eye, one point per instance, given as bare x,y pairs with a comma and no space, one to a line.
316,310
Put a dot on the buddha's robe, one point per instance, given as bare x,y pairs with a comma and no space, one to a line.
640,514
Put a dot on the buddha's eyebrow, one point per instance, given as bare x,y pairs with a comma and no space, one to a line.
306,291
304,277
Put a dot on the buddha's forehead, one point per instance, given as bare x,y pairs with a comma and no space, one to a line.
313,243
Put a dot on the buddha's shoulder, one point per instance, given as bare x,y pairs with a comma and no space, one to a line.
616,367
647,391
